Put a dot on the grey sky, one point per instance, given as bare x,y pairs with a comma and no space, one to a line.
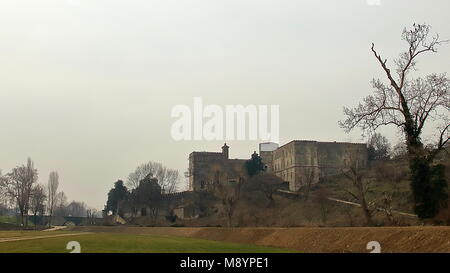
87,86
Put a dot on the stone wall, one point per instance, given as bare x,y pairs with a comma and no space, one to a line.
201,166
207,169
303,162
333,157
283,163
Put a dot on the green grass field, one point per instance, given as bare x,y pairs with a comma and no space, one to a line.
123,243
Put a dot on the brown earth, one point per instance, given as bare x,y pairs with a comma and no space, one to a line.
351,239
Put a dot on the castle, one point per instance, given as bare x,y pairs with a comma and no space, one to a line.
298,162
207,168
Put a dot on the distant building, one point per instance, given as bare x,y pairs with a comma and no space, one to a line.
296,162
265,152
299,161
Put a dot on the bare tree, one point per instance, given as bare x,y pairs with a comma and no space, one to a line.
229,195
390,172
38,198
386,207
322,198
409,104
167,178
266,183
360,188
91,215
52,191
3,191
399,151
348,212
378,147
60,204
226,190
76,209
311,177
19,183
7,202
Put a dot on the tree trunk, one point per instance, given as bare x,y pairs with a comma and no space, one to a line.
271,201
421,179
22,218
230,216
363,202
308,188
421,186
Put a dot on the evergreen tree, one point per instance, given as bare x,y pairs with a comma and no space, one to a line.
116,196
255,165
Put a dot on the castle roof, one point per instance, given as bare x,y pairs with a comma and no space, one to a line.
321,142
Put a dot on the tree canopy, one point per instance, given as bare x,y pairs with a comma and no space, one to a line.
115,196
410,104
255,165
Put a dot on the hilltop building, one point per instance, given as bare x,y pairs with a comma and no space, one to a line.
207,168
297,162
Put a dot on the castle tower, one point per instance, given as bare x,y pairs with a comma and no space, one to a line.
225,150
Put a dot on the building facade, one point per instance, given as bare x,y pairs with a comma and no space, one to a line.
209,168
300,162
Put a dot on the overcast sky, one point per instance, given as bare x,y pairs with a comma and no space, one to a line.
87,86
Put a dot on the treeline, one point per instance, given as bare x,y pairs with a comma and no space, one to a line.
144,189
21,194
143,194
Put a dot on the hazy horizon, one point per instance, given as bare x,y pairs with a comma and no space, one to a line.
88,86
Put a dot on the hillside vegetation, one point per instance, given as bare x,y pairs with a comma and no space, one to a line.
388,194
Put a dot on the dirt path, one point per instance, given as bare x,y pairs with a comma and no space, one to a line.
4,240
312,240
55,228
